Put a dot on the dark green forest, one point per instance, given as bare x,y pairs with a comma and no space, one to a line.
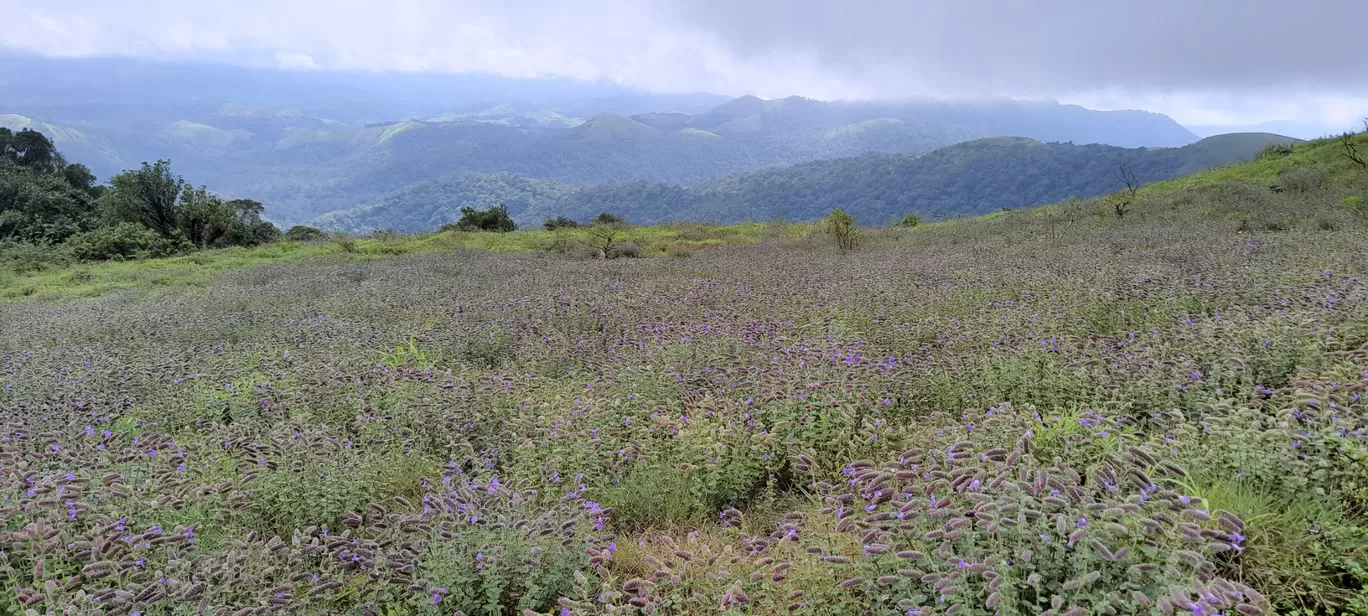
52,210
965,179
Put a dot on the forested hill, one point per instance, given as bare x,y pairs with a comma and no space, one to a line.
969,178
312,143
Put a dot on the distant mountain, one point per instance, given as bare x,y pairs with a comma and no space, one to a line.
1300,130
310,142
969,178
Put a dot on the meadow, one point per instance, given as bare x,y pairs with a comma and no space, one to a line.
1054,411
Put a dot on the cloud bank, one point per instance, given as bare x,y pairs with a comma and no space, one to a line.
1202,61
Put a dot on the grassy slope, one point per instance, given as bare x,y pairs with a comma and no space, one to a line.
96,279
89,280
1325,154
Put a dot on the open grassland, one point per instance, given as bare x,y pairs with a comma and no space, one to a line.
43,281
1048,411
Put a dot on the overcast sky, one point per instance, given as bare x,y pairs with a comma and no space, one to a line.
1200,61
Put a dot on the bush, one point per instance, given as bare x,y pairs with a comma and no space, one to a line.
610,219
25,257
908,221
560,222
842,228
494,219
347,244
301,233
1357,205
625,250
1302,180
125,240
1275,150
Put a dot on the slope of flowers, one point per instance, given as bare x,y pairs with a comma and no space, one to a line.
1162,414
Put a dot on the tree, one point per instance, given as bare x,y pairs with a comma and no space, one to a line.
842,228
79,176
494,219
40,207
302,233
1351,148
560,222
148,196
604,236
909,221
31,149
203,218
251,229
1121,203
606,218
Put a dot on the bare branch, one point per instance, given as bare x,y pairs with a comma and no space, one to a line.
1351,151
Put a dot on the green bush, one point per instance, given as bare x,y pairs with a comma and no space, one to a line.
842,229
625,250
1356,204
1275,150
1302,180
909,221
560,222
606,218
23,257
494,219
124,240
301,233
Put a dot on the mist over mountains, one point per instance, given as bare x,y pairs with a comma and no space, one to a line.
311,143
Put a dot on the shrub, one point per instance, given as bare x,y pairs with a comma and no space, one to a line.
1357,205
604,236
625,250
908,221
494,219
1275,150
1302,180
121,241
25,257
347,244
301,233
610,219
841,227
560,222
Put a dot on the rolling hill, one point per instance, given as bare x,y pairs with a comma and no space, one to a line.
311,143
969,178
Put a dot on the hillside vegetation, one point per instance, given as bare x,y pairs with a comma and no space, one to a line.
965,179
1045,411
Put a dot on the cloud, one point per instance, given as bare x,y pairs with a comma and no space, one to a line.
1203,61
295,61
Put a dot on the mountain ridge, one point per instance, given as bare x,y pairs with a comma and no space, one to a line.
973,177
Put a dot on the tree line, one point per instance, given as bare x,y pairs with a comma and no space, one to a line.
51,209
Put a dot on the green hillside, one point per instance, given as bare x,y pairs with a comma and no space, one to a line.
965,179
1058,410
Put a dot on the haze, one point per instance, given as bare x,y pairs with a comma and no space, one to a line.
1218,62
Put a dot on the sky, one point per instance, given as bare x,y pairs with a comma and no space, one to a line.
1233,62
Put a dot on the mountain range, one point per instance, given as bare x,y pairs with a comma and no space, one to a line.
328,147
969,178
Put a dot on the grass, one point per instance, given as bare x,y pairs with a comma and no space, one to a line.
148,275
1048,411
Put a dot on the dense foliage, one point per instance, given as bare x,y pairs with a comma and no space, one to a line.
971,178
51,210
42,197
1054,411
494,219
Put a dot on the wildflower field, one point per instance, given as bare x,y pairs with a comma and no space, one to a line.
1055,411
